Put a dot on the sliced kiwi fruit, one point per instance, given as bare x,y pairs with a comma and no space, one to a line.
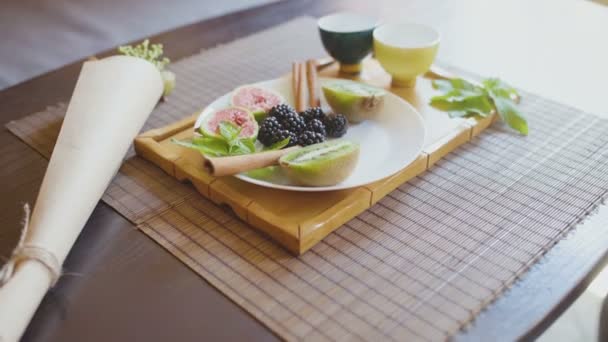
323,164
357,101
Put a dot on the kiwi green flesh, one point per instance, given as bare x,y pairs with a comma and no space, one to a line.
319,152
357,101
354,89
323,164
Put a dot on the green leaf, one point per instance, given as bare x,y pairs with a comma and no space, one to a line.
443,85
278,145
187,144
238,147
462,99
241,146
235,150
208,146
249,143
511,115
459,83
453,84
274,174
212,143
502,95
478,103
499,88
461,95
229,131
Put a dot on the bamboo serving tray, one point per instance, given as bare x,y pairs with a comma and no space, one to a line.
298,220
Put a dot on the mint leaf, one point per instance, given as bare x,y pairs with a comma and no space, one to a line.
241,146
453,84
278,145
499,88
471,102
218,146
227,143
510,114
462,99
249,143
187,144
443,85
502,96
228,130
269,173
208,146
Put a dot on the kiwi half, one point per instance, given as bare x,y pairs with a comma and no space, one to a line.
357,101
323,164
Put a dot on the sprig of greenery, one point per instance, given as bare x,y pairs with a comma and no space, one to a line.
228,143
153,53
462,99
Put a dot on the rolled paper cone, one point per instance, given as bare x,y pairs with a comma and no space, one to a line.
112,99
228,166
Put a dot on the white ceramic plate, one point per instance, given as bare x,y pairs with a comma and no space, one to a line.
388,143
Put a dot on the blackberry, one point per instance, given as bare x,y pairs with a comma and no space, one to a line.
310,138
269,129
283,134
316,125
293,139
293,123
336,125
313,113
281,112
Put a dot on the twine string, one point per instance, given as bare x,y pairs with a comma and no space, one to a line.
25,251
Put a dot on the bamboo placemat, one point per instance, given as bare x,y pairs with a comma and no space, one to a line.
420,264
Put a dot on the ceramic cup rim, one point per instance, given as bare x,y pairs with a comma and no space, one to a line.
370,24
403,26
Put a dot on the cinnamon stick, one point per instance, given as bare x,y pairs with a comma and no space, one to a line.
300,84
311,73
228,166
295,79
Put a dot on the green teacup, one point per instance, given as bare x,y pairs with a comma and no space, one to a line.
405,50
348,38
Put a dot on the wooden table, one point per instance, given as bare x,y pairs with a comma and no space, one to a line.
120,285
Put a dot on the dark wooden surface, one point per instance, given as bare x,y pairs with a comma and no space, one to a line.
119,285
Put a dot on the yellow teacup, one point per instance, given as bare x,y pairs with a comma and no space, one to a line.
405,50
